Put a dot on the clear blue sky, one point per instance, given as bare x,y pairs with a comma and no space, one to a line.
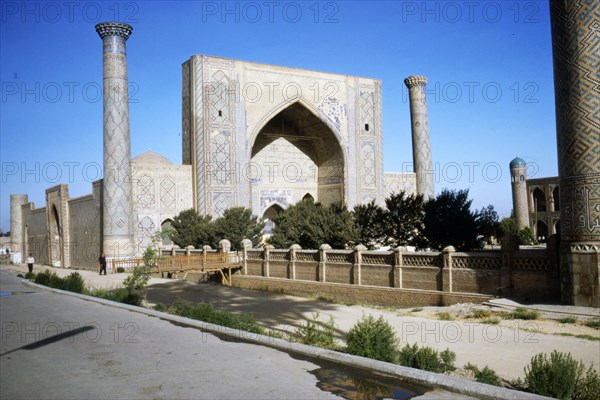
489,64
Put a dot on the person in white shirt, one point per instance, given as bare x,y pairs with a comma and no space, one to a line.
30,261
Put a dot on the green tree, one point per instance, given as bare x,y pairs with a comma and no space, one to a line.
526,236
302,224
341,231
190,228
404,219
449,221
236,224
508,226
310,224
488,223
370,220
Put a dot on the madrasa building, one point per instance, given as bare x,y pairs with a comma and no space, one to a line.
253,135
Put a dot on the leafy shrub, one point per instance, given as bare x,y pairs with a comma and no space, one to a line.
426,358
524,313
74,283
444,316
119,295
29,275
593,323
120,270
372,338
479,313
485,375
568,320
561,376
491,321
43,278
588,385
56,281
205,312
315,333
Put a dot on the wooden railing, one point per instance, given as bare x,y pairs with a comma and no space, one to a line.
207,262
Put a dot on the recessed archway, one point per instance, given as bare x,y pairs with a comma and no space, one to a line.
541,231
539,200
296,153
165,229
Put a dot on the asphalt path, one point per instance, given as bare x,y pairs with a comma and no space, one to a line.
55,346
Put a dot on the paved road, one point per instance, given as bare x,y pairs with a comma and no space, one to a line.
506,349
55,346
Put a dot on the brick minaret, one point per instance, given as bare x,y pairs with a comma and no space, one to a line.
117,197
518,175
422,160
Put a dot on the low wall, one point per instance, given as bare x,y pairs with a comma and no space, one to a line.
345,293
400,277
526,275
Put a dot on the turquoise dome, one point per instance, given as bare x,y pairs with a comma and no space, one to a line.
518,162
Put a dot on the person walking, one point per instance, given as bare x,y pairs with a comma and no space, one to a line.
102,263
30,261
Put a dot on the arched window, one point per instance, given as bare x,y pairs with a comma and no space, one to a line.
539,200
308,196
556,197
165,229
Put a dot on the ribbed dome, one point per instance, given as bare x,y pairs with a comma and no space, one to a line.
150,157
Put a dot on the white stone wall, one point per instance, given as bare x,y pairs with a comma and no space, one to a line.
396,182
36,233
161,190
85,228
226,104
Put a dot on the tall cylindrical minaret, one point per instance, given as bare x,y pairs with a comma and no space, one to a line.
518,175
421,145
117,197
16,223
575,26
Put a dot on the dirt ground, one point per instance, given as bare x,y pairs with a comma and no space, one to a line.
494,339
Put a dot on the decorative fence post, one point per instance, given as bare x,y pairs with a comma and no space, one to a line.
267,258
225,246
174,250
357,275
205,249
447,268
323,262
293,250
246,244
398,263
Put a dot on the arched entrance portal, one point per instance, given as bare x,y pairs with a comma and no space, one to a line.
296,153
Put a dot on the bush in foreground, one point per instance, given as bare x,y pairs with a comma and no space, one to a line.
560,376
72,283
485,375
372,338
427,359
316,333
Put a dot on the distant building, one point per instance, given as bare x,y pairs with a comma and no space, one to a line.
536,202
253,135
